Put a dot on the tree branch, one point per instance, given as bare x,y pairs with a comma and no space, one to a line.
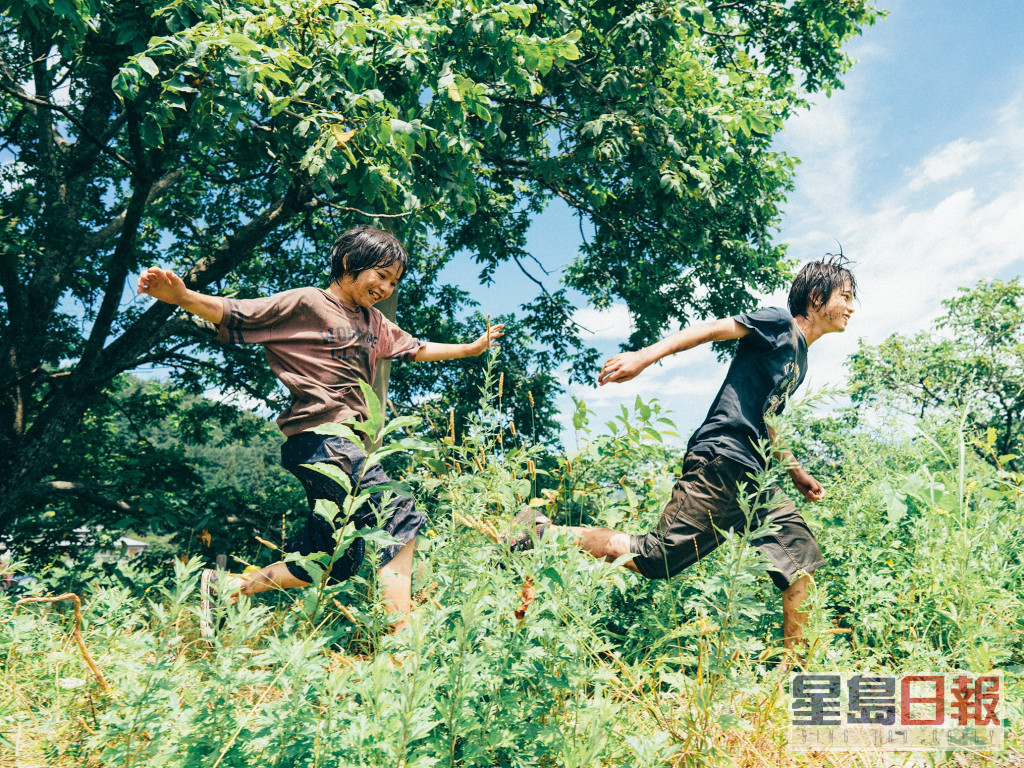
188,362
115,225
569,319
36,102
235,249
89,493
346,209
117,271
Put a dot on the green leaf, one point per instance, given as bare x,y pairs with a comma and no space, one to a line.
126,33
336,473
241,43
531,55
151,132
895,502
272,73
341,430
149,66
279,106
328,510
374,413
400,423
634,503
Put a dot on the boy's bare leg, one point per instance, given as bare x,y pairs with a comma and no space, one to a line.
396,584
275,576
396,581
213,583
610,545
793,619
602,543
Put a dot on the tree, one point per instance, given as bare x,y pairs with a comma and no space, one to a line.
973,358
202,474
231,140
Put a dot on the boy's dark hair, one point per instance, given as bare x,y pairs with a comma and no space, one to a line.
361,248
817,280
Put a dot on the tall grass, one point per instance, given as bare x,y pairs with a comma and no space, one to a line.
546,658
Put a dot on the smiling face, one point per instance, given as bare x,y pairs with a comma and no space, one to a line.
369,286
836,312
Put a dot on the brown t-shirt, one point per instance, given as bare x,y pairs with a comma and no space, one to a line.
319,348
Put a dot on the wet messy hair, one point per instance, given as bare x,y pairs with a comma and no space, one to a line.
361,248
817,280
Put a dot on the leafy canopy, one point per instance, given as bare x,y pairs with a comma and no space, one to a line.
232,141
973,359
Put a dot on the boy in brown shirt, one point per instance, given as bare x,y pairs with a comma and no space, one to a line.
320,344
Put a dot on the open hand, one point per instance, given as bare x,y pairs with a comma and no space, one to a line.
488,339
622,367
162,284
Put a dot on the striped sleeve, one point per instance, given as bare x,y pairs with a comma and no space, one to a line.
396,344
231,323
259,321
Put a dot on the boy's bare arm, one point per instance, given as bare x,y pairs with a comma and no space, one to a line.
164,285
627,365
803,481
433,350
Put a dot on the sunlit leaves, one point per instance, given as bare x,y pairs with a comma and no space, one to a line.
974,359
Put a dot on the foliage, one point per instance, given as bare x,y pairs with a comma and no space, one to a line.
973,360
187,474
602,668
525,397
232,140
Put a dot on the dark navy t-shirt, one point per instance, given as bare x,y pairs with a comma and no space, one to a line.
769,365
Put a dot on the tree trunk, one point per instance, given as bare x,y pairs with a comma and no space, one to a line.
382,377
37,451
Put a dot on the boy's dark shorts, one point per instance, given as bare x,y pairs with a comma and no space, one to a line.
402,520
705,498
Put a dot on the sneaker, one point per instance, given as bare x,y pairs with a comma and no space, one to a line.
528,526
209,599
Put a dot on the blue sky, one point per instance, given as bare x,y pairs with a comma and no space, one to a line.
916,167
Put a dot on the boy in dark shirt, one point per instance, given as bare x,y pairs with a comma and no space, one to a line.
320,344
770,363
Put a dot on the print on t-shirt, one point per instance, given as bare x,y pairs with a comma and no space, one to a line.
348,343
783,389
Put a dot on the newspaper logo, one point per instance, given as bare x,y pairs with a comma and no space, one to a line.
958,711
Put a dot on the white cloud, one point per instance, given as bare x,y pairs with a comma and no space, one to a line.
611,323
915,249
956,219
827,133
949,161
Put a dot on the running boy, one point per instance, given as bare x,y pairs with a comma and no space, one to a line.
770,363
320,344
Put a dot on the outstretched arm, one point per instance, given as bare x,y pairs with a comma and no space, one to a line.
166,286
627,365
432,350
